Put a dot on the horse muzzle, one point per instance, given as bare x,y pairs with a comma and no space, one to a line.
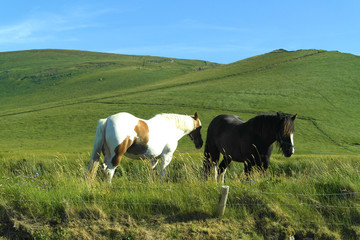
199,145
289,152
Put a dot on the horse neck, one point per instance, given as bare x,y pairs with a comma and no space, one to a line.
265,126
183,123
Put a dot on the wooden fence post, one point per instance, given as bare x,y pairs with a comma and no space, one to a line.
222,201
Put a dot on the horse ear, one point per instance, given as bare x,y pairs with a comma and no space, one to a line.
278,115
196,115
294,117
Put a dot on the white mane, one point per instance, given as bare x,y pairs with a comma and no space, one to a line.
183,122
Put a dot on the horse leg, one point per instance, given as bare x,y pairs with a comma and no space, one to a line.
211,158
154,162
107,159
116,158
266,157
109,171
107,162
222,169
247,167
165,163
167,155
265,162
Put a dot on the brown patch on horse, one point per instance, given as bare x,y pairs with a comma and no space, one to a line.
139,145
120,150
142,131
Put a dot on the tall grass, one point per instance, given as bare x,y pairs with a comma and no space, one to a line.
52,102
304,195
322,87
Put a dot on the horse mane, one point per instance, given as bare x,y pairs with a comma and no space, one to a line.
260,122
183,122
265,120
289,126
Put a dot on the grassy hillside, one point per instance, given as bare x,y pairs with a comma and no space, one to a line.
51,101
47,95
31,78
46,197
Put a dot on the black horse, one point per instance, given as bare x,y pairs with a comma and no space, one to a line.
250,142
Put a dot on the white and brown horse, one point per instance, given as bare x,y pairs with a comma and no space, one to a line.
124,134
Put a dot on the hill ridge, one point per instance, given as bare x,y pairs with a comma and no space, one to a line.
261,68
313,83
173,86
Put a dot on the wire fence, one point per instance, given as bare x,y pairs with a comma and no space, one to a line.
40,187
142,186
232,203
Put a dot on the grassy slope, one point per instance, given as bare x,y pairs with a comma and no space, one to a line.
47,95
31,78
322,87
51,101
311,196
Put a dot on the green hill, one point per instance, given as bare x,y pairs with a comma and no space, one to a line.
51,99
31,78
50,103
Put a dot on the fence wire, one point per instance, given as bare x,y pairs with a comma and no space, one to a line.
41,187
235,201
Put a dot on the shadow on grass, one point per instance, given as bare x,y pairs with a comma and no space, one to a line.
187,217
8,228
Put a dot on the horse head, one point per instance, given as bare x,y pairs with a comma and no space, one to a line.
195,135
285,135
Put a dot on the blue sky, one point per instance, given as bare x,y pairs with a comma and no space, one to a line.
218,31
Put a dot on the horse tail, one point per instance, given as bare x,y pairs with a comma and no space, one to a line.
97,149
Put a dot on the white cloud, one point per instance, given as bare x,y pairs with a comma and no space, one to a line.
44,26
18,32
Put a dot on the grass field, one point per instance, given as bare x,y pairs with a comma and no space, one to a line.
309,195
49,107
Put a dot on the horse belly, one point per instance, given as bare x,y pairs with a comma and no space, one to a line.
231,149
139,150
146,155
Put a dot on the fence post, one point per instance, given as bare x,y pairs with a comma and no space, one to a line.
222,200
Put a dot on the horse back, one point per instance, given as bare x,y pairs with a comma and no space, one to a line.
119,127
221,128
228,135
223,123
